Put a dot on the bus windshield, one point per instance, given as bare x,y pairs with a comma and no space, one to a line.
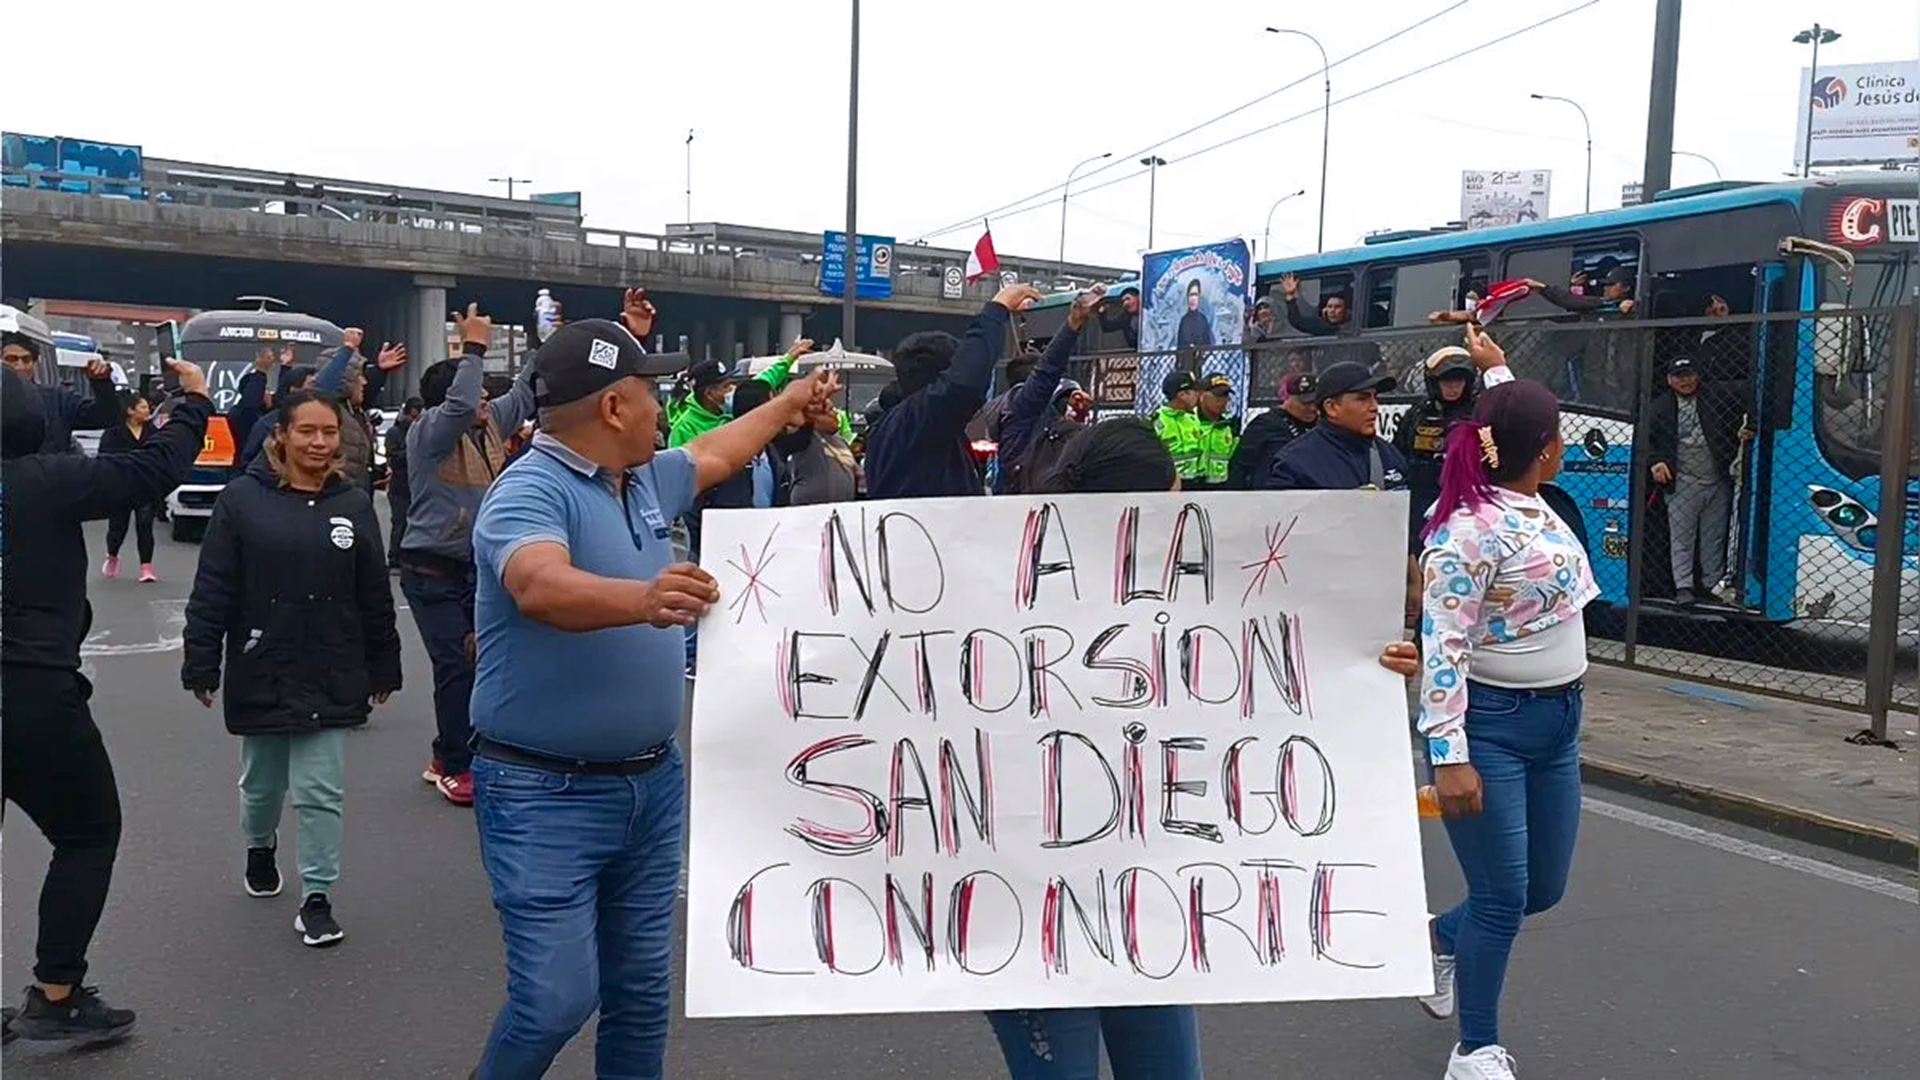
1855,359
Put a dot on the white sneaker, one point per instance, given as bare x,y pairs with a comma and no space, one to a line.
1440,1004
1486,1063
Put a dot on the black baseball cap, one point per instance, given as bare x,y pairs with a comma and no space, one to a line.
1218,385
710,372
1681,365
586,357
1178,382
1620,275
1298,384
1350,377
1263,302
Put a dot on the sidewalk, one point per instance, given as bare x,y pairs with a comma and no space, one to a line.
1779,765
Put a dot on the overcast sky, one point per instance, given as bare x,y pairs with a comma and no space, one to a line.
964,107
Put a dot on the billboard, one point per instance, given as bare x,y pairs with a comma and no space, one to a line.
1491,197
1194,298
1862,113
872,271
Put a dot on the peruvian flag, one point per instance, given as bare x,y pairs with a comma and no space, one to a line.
982,261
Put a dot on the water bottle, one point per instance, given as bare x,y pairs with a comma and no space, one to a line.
546,314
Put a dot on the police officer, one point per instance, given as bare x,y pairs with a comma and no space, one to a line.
1343,452
1272,431
1422,435
1219,433
1177,425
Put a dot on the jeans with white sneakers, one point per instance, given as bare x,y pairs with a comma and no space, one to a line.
1516,854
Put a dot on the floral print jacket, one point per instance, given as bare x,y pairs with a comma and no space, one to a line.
1494,574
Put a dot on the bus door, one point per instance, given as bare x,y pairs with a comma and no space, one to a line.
1775,351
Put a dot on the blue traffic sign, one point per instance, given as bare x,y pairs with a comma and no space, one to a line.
873,267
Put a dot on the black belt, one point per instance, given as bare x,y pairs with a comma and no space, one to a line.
639,765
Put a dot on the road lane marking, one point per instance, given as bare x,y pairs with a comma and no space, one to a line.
1758,852
170,623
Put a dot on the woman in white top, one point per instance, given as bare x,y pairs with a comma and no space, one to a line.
1504,650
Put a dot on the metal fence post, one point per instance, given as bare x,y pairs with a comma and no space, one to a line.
1883,640
1638,491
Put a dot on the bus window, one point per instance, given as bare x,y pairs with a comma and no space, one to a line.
1405,295
1476,273
1855,356
1542,264
1380,289
1593,262
1314,290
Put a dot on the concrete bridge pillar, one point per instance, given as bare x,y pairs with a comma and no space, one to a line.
426,326
757,327
793,319
729,339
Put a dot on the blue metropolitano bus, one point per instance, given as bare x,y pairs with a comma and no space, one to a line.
1810,270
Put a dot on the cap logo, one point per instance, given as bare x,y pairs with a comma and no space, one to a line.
604,354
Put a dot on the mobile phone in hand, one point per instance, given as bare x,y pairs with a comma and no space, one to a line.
166,342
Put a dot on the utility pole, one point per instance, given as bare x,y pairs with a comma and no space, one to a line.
851,258
509,181
689,176
1658,174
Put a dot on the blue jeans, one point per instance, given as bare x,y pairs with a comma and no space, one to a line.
1517,853
585,870
443,610
1146,1042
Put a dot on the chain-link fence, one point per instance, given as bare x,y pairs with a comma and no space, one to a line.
1728,471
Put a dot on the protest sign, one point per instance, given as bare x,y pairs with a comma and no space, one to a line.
1049,752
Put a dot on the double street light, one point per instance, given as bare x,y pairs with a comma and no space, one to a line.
1816,36
1326,124
1153,164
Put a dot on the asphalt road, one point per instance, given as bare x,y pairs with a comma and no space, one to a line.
1683,950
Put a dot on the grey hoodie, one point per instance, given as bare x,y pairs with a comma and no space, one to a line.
450,461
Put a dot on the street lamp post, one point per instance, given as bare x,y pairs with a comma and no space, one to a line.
1061,270
1702,157
509,181
1816,36
1153,180
1326,124
1266,237
1584,123
850,252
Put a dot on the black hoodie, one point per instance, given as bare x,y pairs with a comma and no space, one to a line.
44,615
294,585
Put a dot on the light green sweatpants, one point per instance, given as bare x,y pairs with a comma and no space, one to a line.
312,768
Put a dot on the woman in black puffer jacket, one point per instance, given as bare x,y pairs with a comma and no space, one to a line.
292,593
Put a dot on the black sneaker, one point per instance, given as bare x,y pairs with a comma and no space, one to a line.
79,1017
263,872
315,922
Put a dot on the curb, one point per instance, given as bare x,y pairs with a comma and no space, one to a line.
1809,826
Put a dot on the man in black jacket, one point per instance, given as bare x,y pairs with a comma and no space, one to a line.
1271,431
399,494
55,765
1694,434
62,412
918,449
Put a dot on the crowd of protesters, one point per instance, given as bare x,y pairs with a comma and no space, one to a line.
557,618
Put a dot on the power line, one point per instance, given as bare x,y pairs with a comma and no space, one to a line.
1010,212
1122,159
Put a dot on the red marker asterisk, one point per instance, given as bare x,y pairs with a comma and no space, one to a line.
753,570
1275,560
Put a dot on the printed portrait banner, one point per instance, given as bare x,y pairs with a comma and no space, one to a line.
960,754
1194,298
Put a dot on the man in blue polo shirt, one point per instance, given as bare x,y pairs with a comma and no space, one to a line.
579,613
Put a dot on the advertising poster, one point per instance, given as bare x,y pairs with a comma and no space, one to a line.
1863,114
1020,752
1490,197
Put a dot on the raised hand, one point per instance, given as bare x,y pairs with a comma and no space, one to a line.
475,328
1084,307
637,313
1017,296
392,357
192,379
353,336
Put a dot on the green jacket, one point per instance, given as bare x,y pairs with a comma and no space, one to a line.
1181,431
1218,440
689,420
